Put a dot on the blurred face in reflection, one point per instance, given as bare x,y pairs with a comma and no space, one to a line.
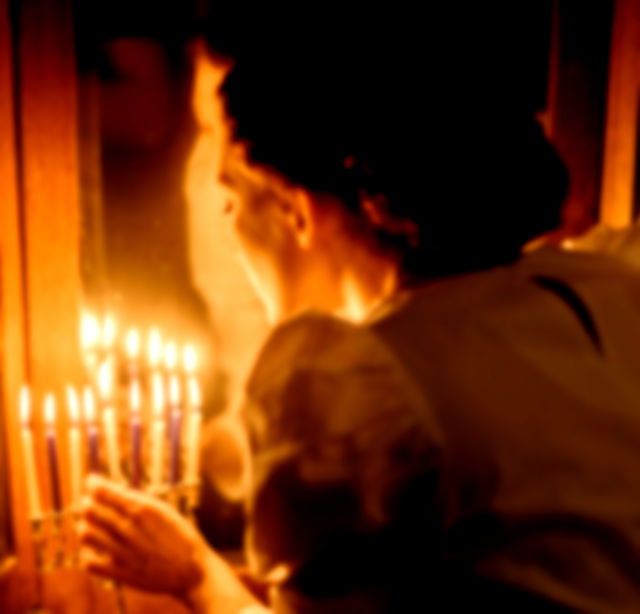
247,197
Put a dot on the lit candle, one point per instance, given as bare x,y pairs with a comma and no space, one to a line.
92,429
52,450
109,423
28,455
175,426
134,403
193,439
75,451
157,431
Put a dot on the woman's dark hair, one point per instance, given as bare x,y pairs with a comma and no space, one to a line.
417,109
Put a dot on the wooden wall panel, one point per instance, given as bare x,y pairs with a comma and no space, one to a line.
621,149
12,354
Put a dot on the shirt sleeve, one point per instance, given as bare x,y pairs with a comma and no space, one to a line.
344,458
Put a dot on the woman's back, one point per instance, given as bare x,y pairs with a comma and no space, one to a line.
478,439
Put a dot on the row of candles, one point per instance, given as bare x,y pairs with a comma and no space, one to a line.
169,390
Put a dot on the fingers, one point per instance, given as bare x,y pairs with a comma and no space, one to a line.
103,542
104,565
113,495
118,525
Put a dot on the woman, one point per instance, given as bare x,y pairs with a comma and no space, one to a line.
433,421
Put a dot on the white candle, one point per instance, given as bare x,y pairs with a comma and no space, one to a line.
34,502
109,422
156,473
75,446
111,441
191,474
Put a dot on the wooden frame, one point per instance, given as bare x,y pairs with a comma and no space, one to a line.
621,147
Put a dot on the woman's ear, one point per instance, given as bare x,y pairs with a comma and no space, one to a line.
300,217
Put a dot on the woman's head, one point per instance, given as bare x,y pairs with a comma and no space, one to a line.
389,122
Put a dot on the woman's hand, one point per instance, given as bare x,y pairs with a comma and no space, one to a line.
138,540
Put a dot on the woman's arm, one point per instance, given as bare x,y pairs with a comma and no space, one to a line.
137,540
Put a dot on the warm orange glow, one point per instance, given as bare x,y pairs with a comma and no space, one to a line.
50,409
189,358
25,405
157,393
73,405
89,331
89,404
170,356
154,347
133,343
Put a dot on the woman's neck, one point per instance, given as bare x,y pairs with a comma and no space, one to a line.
367,280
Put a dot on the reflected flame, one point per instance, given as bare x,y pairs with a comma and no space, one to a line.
155,347
73,404
133,343
25,405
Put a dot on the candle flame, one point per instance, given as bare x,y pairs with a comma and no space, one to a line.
170,356
25,405
189,358
73,404
108,331
133,343
89,330
104,380
49,409
157,391
195,394
134,396
155,347
89,404
174,390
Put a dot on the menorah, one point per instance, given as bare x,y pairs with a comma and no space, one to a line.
128,420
